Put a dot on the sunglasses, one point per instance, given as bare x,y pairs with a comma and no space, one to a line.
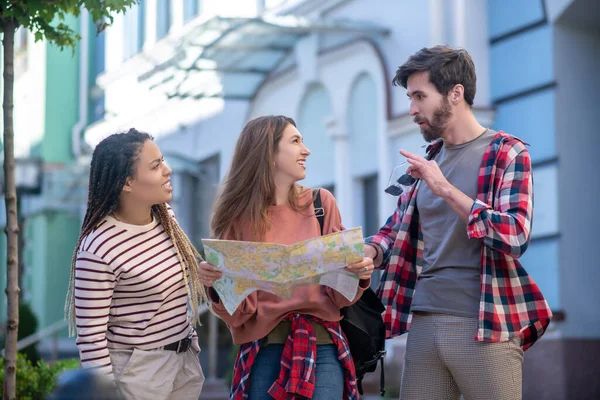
396,189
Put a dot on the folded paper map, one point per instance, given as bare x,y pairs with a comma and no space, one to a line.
279,269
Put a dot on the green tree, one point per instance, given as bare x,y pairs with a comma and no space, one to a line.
45,19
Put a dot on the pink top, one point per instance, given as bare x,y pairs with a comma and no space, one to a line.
261,311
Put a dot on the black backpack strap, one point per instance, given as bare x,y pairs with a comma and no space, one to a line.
382,379
319,210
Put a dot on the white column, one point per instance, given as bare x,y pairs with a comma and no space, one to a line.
385,202
176,15
343,178
260,7
436,22
460,35
113,52
150,23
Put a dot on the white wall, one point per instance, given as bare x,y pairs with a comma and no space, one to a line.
337,71
209,137
554,8
313,112
334,61
363,126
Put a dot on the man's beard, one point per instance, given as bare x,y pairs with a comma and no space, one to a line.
435,129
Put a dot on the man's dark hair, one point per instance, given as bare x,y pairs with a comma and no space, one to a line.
446,66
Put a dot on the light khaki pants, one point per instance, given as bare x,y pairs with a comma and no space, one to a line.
157,374
443,361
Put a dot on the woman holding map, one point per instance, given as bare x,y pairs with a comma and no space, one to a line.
134,275
289,348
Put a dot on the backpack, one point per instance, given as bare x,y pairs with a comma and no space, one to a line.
362,324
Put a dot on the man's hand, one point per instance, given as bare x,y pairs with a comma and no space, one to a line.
372,252
429,171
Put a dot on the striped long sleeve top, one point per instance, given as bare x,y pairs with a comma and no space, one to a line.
129,291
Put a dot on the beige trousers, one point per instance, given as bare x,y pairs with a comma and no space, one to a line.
443,361
157,374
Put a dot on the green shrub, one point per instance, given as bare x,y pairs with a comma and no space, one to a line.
229,374
37,380
28,325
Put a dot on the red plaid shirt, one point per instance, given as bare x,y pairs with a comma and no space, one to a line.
297,376
511,303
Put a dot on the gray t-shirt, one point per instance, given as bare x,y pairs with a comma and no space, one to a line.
450,280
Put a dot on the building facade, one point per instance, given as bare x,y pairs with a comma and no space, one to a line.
192,72
52,108
544,86
328,64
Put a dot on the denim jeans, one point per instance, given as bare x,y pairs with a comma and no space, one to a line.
329,379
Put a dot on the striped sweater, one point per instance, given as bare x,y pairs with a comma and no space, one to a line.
129,291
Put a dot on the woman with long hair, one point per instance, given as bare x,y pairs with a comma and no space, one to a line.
134,275
288,348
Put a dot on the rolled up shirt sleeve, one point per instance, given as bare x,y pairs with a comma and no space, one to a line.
507,226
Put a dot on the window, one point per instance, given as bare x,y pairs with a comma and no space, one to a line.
141,25
190,10
97,95
133,31
371,216
163,18
274,3
194,198
315,109
370,210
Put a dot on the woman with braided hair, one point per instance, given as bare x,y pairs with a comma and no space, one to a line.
134,276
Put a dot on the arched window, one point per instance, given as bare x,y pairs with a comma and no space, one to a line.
315,108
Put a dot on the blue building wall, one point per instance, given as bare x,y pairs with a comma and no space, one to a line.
522,81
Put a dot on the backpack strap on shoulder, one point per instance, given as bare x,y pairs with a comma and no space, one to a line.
319,210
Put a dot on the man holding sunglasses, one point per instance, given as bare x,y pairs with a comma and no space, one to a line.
449,252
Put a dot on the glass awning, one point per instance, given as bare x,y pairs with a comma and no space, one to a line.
190,74
229,57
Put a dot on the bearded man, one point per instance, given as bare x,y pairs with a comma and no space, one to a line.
449,252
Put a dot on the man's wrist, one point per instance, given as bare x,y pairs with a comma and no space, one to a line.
375,252
370,251
446,191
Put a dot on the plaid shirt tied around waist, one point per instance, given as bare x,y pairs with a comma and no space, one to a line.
297,376
511,303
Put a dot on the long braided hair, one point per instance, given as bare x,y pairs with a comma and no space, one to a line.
113,161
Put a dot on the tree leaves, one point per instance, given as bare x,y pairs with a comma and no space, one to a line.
45,18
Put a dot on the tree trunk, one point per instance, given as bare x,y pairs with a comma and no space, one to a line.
12,226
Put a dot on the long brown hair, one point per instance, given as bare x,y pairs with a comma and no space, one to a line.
113,161
249,189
